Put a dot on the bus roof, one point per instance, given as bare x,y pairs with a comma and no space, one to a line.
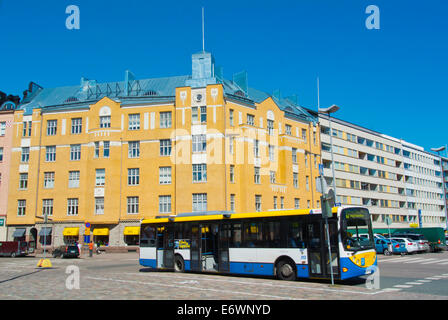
219,215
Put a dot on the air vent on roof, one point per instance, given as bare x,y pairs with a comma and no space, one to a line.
150,93
71,99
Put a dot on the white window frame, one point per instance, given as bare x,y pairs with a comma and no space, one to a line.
199,202
72,206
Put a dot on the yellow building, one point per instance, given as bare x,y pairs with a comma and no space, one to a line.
111,154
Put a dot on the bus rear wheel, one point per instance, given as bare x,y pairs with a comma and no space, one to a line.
179,264
286,270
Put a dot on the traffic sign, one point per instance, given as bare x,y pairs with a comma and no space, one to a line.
87,224
321,169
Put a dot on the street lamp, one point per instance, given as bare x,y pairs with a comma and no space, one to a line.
438,150
329,111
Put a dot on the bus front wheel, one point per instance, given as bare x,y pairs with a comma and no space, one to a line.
286,270
179,264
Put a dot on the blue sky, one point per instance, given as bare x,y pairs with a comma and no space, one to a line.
393,80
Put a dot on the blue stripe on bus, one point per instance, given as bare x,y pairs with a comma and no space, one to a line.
152,263
352,269
263,269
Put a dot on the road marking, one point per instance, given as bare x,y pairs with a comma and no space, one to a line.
391,290
415,283
431,260
223,279
417,260
432,278
398,260
424,281
443,263
402,286
193,288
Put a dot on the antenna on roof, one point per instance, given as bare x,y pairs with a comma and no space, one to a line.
203,42
318,98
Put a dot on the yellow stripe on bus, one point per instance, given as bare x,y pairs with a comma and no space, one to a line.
263,214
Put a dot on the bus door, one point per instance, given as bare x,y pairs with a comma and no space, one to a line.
195,257
209,246
225,234
165,246
319,263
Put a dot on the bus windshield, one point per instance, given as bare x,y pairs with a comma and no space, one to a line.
356,229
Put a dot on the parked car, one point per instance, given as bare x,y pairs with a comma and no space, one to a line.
411,246
13,248
67,251
383,246
423,243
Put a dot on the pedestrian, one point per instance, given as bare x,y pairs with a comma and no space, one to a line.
79,247
90,249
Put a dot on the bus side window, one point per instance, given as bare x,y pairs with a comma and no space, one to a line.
235,241
295,235
147,237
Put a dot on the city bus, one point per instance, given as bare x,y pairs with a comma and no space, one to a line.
287,244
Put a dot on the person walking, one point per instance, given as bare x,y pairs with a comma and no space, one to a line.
90,249
79,247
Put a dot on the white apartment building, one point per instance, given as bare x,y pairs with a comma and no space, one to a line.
423,183
369,171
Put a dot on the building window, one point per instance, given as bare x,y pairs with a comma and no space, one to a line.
48,180
134,121
199,143
165,147
75,152
165,119
257,175
27,128
72,206
1,154
288,129
295,179
306,159
97,150
52,126
132,205
256,148
100,177
296,203
165,175
304,135
50,153
21,207
232,173
203,114
25,154
258,202
99,205
199,114
104,121
47,207
231,117
2,128
282,202
164,204
134,176
106,149
307,183
272,176
199,202
134,149
232,202
250,119
270,127
73,179
23,181
76,125
275,203
271,153
199,172
294,155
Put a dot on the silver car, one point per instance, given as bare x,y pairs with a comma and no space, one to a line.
411,245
